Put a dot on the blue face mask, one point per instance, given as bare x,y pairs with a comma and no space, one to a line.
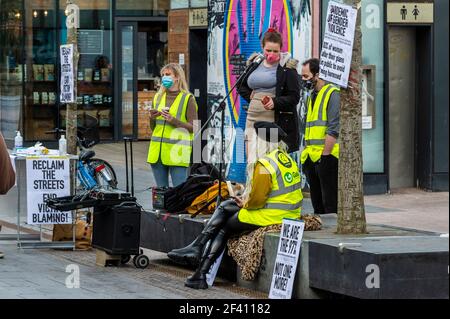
167,81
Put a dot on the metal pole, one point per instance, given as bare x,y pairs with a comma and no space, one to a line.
126,162
132,175
18,168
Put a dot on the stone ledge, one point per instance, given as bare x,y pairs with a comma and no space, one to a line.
164,233
310,270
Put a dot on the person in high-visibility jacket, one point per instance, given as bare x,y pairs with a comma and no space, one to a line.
172,117
272,193
320,156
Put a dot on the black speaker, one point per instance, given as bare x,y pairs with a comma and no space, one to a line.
117,229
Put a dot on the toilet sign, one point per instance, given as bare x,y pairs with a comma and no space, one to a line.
410,12
287,258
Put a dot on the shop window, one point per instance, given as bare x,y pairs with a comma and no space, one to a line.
143,7
40,72
198,3
11,67
185,4
95,67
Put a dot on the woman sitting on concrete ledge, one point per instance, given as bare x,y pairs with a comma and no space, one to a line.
277,196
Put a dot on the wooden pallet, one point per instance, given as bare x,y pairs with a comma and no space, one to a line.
103,259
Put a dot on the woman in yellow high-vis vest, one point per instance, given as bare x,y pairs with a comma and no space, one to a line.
272,193
172,117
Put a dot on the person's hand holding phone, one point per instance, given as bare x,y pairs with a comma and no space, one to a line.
267,102
154,113
166,115
239,201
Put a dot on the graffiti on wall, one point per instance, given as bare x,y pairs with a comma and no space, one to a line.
235,30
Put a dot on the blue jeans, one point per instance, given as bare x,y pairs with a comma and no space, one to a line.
161,174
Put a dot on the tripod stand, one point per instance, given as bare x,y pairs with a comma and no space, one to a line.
221,108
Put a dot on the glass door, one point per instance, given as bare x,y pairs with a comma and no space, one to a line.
127,80
141,53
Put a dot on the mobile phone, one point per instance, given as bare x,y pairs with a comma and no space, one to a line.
265,99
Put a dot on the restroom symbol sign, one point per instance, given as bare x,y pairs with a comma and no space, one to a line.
404,12
415,12
407,12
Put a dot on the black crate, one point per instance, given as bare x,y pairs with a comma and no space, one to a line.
117,229
158,198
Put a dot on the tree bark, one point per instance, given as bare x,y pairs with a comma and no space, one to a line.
71,112
351,213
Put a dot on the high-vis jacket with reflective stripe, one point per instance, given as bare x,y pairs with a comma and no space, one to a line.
285,198
171,144
316,125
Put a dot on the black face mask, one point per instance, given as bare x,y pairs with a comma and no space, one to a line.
309,84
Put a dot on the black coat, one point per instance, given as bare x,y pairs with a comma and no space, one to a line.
287,97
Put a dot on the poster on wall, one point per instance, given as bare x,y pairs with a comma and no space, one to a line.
67,74
47,178
235,30
337,47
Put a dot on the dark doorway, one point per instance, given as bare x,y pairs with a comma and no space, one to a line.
198,39
410,106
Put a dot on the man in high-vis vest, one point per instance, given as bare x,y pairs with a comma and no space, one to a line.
320,157
272,193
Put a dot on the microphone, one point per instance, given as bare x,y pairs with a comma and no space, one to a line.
251,67
258,60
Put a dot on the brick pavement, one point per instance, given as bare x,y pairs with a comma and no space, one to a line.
32,274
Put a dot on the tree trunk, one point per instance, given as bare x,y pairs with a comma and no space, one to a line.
71,112
351,213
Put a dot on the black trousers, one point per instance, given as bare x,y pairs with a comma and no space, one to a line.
226,219
322,177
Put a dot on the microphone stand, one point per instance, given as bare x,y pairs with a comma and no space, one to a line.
221,108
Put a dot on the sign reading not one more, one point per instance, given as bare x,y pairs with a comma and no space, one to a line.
287,259
410,12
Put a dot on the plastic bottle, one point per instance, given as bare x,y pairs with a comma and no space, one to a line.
18,141
62,145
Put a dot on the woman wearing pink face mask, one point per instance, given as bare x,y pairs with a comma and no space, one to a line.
273,92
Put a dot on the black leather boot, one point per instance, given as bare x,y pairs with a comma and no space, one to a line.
191,254
198,279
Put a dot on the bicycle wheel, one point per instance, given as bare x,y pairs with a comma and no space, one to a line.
105,176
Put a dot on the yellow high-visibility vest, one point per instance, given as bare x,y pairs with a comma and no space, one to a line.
172,145
285,197
316,125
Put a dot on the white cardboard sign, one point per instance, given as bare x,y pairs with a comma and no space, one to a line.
67,74
287,258
212,273
336,55
47,178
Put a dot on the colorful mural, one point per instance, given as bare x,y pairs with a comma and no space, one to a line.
235,31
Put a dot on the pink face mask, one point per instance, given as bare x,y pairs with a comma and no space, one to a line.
272,57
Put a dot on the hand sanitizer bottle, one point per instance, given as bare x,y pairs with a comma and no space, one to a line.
62,145
18,141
